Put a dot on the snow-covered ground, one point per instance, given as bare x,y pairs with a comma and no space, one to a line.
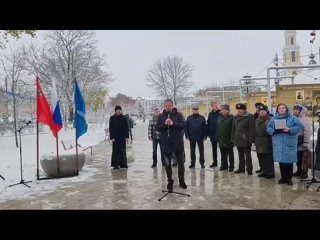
10,161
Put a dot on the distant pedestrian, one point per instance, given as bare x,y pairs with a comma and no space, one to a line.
130,126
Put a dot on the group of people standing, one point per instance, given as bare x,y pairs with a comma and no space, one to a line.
282,138
287,144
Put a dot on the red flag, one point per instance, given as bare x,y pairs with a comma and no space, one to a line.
44,113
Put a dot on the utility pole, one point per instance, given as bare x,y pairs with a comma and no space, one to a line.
276,63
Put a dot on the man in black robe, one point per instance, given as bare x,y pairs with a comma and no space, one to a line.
119,135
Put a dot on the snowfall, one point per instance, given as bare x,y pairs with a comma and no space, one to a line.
10,160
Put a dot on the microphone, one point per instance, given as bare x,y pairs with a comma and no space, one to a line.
168,130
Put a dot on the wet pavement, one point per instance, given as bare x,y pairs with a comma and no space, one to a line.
140,186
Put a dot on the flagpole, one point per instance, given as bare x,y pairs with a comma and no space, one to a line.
37,143
76,119
77,144
58,161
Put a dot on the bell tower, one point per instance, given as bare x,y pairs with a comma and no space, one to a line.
291,52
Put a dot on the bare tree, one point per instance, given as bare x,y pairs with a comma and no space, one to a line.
68,55
127,103
170,77
16,34
16,85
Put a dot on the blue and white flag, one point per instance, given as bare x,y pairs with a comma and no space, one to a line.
79,122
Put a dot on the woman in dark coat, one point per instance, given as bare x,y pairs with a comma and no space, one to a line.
119,135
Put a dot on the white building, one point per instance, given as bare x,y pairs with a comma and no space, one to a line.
291,52
149,104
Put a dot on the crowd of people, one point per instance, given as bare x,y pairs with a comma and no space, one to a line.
282,137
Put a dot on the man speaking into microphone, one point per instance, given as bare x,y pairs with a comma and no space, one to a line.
171,123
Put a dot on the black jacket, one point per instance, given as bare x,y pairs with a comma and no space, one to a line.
171,136
263,140
118,127
212,125
196,127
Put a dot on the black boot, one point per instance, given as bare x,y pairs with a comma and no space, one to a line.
299,166
304,175
214,164
182,184
170,185
297,173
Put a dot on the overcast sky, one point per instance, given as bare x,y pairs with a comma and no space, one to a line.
217,56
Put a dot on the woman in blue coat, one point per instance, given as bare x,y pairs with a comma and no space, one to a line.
284,141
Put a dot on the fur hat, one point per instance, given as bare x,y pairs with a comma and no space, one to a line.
241,106
262,107
225,107
258,104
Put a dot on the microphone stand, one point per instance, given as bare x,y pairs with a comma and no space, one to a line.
21,181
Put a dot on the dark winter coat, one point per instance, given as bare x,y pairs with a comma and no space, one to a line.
263,140
119,131
171,136
212,125
243,130
196,127
224,129
118,127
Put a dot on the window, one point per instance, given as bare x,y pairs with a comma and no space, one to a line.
291,40
293,56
